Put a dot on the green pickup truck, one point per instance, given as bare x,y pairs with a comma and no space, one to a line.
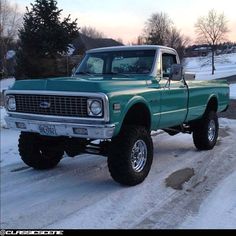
110,105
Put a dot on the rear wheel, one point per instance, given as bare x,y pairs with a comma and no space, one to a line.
206,131
38,152
130,155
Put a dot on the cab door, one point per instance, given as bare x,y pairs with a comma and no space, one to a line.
174,94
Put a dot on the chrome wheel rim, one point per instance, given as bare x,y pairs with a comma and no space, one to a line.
211,131
139,156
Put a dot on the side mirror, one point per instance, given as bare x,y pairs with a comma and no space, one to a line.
176,72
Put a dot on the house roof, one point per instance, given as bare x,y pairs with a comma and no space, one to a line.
84,43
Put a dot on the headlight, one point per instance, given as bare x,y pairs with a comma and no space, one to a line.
94,107
10,103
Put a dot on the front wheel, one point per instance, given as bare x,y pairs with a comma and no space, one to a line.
130,155
205,133
38,152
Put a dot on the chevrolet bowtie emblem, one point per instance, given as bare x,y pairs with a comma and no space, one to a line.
44,105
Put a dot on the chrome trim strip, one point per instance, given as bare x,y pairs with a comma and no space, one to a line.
64,129
102,96
48,118
47,92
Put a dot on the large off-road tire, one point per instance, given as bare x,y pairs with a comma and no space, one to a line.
130,155
38,152
205,132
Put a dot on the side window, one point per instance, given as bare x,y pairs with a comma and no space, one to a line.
167,61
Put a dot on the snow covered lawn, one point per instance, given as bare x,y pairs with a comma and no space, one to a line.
80,193
225,66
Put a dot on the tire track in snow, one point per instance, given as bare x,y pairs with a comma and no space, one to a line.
81,194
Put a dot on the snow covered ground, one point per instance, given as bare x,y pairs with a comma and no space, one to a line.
233,91
3,113
219,208
6,83
80,193
225,66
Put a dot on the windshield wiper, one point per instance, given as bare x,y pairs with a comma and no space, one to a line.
117,73
83,73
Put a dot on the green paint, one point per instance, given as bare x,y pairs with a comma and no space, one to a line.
166,104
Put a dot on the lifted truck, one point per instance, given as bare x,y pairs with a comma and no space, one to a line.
110,105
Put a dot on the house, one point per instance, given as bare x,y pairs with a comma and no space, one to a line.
84,43
202,51
76,50
197,51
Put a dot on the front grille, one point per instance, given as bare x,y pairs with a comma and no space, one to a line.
57,105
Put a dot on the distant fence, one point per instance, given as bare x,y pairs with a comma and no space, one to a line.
48,67
66,64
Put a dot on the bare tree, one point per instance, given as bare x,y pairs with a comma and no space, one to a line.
212,29
157,29
160,30
92,32
10,21
140,40
177,41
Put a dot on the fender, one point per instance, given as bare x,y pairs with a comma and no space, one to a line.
212,96
133,101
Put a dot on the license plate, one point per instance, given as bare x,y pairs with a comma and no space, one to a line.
48,130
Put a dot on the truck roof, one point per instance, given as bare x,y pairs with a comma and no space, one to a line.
127,48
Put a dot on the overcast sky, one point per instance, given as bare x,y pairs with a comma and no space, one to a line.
125,18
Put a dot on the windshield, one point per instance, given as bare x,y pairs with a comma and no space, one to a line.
117,62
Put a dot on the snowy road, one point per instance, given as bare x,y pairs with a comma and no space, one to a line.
80,193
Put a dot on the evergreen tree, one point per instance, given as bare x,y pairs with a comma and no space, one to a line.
43,36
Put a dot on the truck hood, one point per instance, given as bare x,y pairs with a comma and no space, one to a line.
78,84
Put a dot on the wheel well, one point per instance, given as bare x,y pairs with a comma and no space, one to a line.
138,115
212,105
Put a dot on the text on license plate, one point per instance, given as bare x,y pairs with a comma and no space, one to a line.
48,130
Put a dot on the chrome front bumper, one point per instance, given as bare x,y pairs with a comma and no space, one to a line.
61,129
